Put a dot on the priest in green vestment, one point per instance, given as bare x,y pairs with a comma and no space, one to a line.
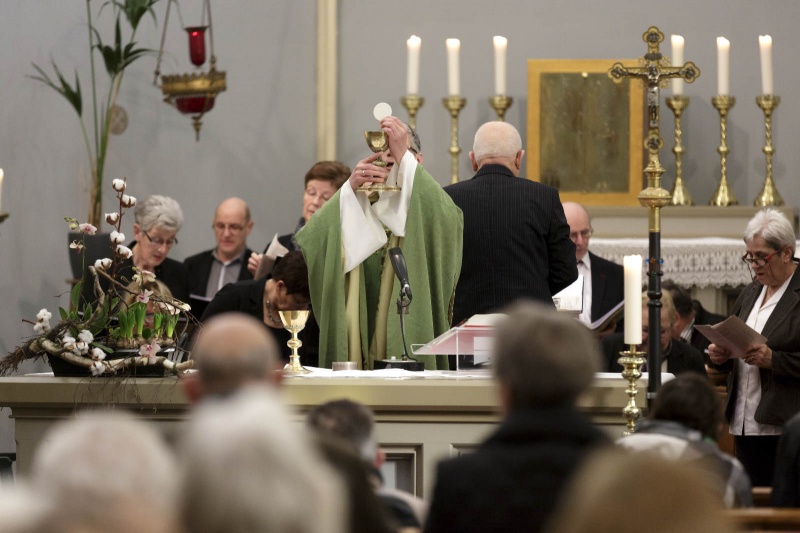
353,286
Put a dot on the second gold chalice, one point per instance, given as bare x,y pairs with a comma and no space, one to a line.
294,322
377,142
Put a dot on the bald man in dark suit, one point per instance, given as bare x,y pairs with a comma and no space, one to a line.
516,238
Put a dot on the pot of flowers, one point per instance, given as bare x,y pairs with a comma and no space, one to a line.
111,336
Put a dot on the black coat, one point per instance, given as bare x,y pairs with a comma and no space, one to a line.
516,242
607,285
199,269
514,479
682,356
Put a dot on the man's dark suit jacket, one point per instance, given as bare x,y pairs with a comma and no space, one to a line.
682,356
514,479
199,267
516,242
780,387
608,285
703,317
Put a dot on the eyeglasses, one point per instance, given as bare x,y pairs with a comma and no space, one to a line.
751,260
161,242
233,228
585,234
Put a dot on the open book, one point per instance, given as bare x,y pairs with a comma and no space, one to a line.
732,334
571,298
604,321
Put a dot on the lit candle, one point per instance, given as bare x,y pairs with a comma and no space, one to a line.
453,48
500,47
765,44
633,299
1,190
413,44
723,65
677,61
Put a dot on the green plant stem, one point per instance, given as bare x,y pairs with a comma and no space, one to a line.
91,64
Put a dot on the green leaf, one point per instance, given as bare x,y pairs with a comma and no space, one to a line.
63,313
75,296
103,347
73,96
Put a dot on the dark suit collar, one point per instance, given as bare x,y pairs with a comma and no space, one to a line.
548,423
493,170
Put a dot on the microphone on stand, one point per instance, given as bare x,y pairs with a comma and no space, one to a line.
400,269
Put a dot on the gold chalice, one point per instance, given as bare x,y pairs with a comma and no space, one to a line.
294,322
377,142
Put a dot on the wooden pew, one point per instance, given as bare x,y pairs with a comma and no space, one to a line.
762,496
764,519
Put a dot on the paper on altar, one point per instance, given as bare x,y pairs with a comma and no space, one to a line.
571,298
732,334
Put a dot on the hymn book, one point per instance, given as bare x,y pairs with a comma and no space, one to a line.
732,334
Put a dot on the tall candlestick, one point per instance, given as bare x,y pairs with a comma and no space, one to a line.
633,299
677,61
453,49
723,65
500,47
413,44
765,44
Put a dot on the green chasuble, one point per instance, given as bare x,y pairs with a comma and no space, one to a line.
357,311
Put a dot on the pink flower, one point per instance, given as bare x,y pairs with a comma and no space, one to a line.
143,276
150,351
87,229
144,297
77,246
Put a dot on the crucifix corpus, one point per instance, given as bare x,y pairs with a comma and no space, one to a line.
654,71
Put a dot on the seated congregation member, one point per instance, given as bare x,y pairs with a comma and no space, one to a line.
676,356
683,425
690,313
618,492
247,466
346,243
516,238
602,279
786,479
157,220
543,361
233,350
286,289
354,425
106,471
321,183
764,383
211,270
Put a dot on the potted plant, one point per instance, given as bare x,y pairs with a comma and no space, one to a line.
116,57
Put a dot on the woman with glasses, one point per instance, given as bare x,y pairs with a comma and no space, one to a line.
764,385
157,220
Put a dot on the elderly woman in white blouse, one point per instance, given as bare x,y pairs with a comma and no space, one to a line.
764,385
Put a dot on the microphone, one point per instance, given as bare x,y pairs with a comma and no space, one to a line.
400,269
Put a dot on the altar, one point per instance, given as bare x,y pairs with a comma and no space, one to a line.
420,419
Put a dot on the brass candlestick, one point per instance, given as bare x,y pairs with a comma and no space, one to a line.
724,196
631,362
294,322
412,103
454,104
500,102
680,194
3,216
769,194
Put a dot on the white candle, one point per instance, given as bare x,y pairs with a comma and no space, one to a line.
677,61
453,48
413,44
500,47
1,190
723,65
633,299
765,44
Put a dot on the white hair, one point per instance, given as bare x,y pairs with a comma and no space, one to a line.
771,225
248,467
102,470
496,139
161,211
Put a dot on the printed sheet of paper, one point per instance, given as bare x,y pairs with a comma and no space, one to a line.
733,334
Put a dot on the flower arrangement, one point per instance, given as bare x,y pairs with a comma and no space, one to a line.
88,333
116,58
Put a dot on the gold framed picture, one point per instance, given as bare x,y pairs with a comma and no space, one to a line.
585,132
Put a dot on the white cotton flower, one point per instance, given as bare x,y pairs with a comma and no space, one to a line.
128,201
38,328
68,341
97,368
85,335
81,348
44,314
98,354
103,264
87,229
118,185
124,251
117,237
112,218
